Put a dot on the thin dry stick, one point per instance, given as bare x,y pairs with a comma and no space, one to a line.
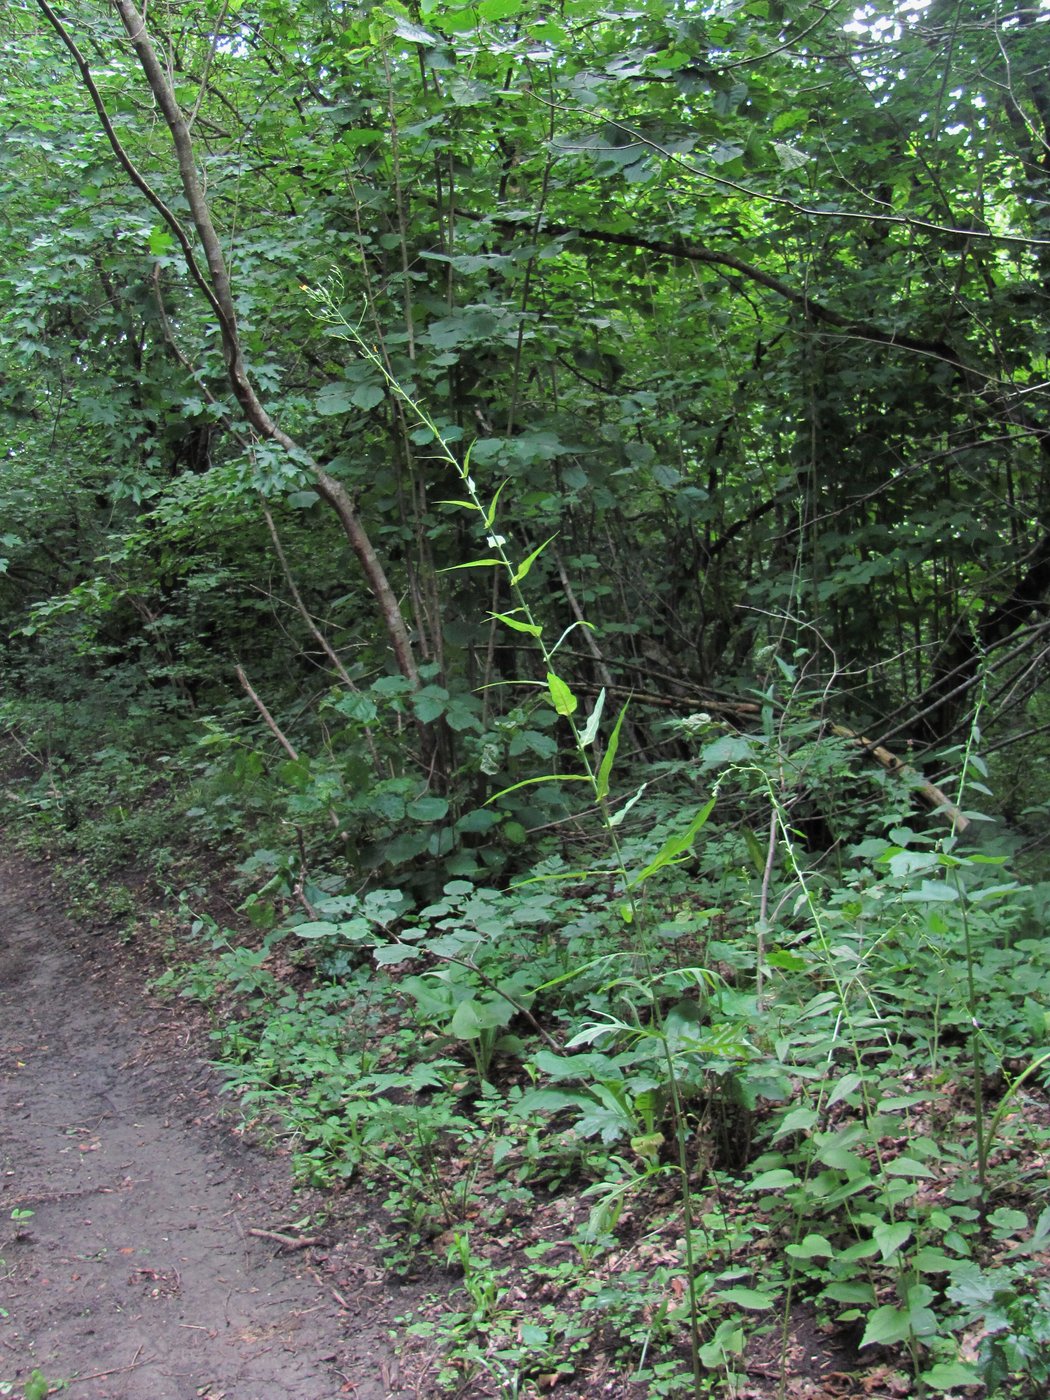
933,795
315,632
289,1242
268,719
763,909
293,754
119,1371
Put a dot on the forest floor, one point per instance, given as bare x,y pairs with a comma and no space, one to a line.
146,1252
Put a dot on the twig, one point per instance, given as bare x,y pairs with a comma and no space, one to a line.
288,1241
119,1371
763,908
937,799
268,719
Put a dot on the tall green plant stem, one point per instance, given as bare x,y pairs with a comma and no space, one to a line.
523,619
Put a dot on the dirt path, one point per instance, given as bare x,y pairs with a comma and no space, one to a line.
136,1277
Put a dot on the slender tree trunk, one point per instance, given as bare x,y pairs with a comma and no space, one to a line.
215,284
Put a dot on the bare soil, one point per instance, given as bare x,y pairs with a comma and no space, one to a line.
137,1275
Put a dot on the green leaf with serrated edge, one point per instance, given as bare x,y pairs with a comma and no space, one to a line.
562,697
844,1087
886,1326
950,1375
530,627
601,789
907,1166
526,564
812,1247
799,1120
890,1238
590,729
675,846
747,1298
490,514
529,782
777,1180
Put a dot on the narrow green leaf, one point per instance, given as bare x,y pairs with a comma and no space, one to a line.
490,514
618,816
529,782
526,564
471,564
676,846
529,627
562,697
590,729
601,790
467,505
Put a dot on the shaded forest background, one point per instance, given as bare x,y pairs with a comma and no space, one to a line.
734,319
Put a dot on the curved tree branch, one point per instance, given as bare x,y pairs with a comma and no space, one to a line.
217,289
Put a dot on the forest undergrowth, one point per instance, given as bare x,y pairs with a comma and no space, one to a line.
690,1102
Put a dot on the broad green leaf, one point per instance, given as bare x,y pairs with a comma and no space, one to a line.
392,953
316,928
844,1088
562,697
891,1237
909,1167
951,1375
302,500
845,1292
333,399
799,1120
367,396
749,1298
414,33
776,1180
887,1326
812,1247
